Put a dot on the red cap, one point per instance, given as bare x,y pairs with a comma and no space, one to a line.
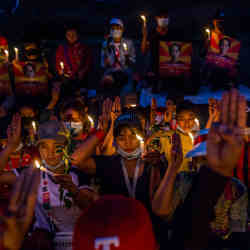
3,41
114,223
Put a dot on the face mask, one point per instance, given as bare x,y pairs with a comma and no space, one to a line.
116,33
129,156
76,126
52,167
163,22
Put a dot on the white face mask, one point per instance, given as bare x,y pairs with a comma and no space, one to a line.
77,126
129,156
163,22
116,34
52,167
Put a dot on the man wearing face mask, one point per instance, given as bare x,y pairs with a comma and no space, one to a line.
117,56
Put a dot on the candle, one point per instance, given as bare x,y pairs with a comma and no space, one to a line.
17,54
192,137
208,32
141,142
6,54
143,18
125,46
34,126
38,165
91,121
62,66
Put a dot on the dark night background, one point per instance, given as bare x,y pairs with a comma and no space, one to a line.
44,20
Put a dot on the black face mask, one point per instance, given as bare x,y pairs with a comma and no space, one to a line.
32,52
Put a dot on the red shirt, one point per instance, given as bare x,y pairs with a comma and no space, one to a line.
78,60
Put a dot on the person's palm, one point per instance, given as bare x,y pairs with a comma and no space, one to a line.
225,140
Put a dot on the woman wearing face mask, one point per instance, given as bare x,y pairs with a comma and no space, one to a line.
117,55
74,117
127,172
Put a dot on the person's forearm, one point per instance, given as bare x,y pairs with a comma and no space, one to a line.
85,150
163,197
210,187
52,104
4,157
209,123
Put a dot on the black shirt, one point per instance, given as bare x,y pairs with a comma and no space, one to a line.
112,181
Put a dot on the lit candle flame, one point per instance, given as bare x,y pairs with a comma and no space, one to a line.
37,164
197,122
141,142
91,121
6,53
125,46
62,65
143,18
132,105
16,52
208,31
34,126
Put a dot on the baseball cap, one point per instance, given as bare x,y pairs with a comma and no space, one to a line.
114,223
50,130
116,21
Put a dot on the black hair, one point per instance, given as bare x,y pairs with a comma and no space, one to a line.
162,12
185,106
76,105
174,45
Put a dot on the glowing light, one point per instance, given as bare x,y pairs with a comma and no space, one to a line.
37,164
16,52
62,65
34,126
125,46
207,30
6,53
197,122
143,18
91,121
133,105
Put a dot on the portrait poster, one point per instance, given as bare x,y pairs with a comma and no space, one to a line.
175,59
223,51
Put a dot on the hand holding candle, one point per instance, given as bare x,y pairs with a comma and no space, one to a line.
142,144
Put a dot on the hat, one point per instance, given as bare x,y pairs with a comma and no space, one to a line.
200,145
114,223
116,21
50,130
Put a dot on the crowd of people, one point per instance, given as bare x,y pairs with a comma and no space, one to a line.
92,169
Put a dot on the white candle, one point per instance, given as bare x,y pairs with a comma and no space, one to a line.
16,53
34,126
62,66
208,32
6,54
143,18
91,121
141,142
125,46
38,165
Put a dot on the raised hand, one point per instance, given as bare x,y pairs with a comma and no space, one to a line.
14,132
170,109
213,109
21,207
225,140
176,152
105,116
116,109
153,111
